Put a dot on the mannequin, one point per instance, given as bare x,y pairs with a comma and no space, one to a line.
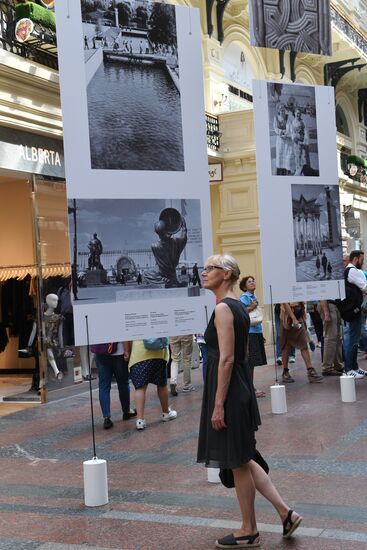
53,332
83,350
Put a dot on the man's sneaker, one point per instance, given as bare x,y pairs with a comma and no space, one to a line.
173,388
140,424
355,374
170,415
313,376
286,377
279,360
291,359
107,423
362,371
187,389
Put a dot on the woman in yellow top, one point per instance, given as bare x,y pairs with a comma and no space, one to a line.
149,366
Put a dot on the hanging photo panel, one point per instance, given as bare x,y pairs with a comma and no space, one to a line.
293,25
136,167
132,98
299,205
139,263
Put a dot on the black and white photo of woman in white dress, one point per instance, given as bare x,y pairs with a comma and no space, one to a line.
284,159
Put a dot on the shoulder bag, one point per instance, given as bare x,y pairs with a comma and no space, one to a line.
156,343
256,316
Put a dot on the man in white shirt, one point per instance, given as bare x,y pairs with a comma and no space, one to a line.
352,331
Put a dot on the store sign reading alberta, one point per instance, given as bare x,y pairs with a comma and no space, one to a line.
39,155
31,153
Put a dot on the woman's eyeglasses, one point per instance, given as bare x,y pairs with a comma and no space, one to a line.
210,268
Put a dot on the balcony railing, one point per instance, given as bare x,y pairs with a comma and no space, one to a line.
42,49
212,132
347,28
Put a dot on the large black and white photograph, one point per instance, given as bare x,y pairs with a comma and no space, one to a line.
317,232
293,25
296,162
293,130
139,249
133,85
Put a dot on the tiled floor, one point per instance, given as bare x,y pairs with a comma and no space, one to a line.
159,496
10,408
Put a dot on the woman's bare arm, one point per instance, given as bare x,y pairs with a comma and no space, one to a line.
226,339
289,311
127,350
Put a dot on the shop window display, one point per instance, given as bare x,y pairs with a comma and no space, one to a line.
35,292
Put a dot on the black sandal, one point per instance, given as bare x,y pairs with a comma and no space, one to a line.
290,526
246,541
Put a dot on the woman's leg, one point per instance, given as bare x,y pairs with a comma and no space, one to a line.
266,487
286,377
162,392
245,490
277,330
140,401
306,357
312,375
285,353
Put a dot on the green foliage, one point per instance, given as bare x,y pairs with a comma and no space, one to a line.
163,24
38,14
358,161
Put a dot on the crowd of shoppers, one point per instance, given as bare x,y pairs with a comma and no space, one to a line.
340,328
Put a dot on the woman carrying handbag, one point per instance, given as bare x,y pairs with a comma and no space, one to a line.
257,356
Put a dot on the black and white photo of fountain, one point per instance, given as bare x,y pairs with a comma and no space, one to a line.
133,85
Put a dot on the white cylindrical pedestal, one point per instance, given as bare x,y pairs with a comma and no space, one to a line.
278,399
348,389
213,475
95,482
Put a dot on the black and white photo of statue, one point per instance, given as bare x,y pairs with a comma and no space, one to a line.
293,25
317,232
151,249
95,251
133,85
169,247
293,130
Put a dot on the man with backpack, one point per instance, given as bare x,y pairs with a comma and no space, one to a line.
351,312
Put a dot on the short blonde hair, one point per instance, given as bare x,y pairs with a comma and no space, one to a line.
227,262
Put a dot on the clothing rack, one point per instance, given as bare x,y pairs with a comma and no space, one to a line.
22,271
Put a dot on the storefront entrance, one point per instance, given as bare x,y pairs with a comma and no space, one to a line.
38,360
